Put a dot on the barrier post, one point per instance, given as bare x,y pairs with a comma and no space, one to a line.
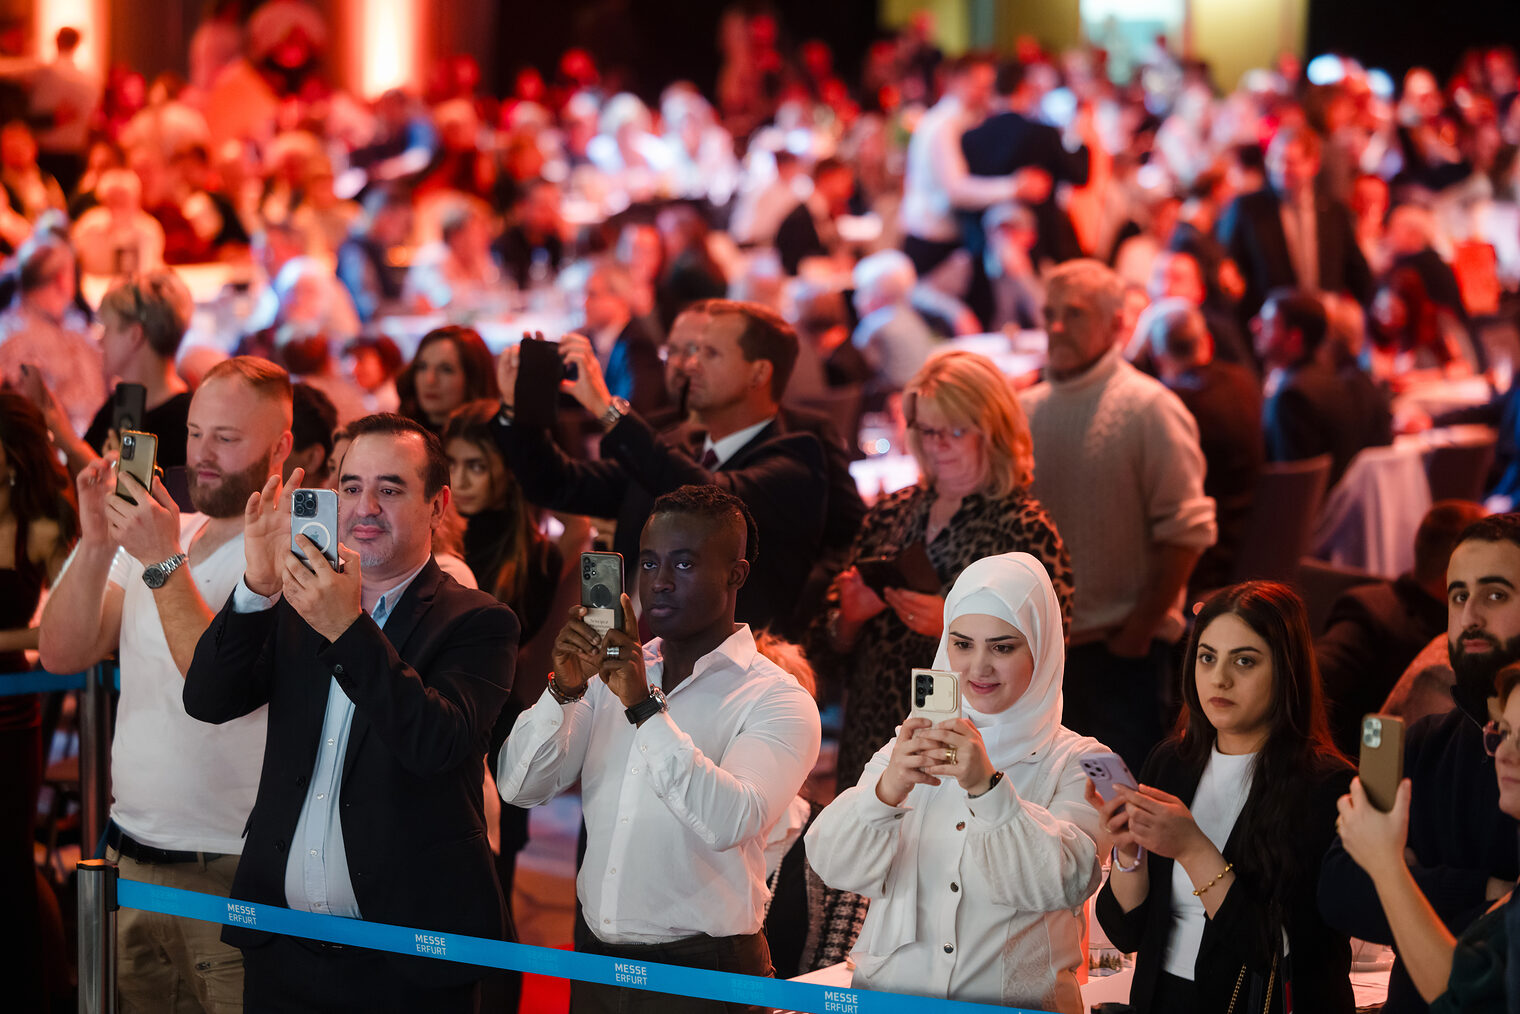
96,883
94,755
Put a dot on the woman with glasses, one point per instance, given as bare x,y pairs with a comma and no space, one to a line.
976,460
1466,973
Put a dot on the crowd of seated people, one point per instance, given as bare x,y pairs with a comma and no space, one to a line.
301,288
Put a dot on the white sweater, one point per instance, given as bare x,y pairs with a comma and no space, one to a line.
1000,880
1118,466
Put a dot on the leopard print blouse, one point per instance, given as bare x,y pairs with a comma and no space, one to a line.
874,673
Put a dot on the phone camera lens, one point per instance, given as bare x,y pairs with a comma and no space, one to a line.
128,443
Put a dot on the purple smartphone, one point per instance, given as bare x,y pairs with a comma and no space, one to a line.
1107,770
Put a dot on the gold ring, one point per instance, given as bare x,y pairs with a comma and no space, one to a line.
949,755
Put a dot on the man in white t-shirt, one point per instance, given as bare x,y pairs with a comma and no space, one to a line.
138,584
688,750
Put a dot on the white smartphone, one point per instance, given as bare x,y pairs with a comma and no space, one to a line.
1106,771
936,695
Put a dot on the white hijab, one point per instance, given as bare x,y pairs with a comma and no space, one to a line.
1016,589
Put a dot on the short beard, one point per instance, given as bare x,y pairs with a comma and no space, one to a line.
228,498
1475,672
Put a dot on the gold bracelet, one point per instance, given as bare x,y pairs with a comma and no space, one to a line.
1227,868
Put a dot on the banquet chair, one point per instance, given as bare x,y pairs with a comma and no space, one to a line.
1283,513
1320,584
1460,471
843,406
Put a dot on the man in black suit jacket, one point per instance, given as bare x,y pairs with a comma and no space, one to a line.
808,230
1225,400
628,354
1319,404
1256,227
383,681
742,359
1014,139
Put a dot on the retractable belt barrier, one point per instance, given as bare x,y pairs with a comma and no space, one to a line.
40,681
645,975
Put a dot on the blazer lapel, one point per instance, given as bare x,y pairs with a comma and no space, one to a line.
741,457
403,619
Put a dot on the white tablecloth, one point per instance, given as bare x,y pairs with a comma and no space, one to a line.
1015,354
1370,518
1437,396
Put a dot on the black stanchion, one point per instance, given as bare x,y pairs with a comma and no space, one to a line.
96,882
94,758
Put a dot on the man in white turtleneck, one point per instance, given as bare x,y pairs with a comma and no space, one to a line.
1119,468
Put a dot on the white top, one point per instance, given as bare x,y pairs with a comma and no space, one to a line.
1221,795
178,784
678,809
936,180
1001,880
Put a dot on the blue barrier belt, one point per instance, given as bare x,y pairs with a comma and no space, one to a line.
40,681
721,986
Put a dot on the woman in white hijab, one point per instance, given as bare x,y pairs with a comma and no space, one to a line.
973,839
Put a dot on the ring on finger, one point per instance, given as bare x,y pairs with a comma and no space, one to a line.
950,755
615,651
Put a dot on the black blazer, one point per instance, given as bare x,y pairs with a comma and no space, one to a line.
1319,409
1320,957
1251,230
780,475
426,690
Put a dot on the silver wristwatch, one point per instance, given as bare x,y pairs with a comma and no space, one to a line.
155,576
616,409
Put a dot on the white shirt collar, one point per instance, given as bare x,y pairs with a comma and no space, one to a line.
728,446
738,649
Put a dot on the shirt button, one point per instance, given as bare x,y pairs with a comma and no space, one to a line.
960,825
321,795
644,749
954,886
313,851
949,948
897,816
338,669
612,871
606,922
625,820
331,742
635,770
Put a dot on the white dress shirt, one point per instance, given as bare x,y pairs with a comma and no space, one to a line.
730,445
936,180
677,809
316,873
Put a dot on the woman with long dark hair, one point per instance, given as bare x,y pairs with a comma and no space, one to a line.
1216,856
452,366
38,525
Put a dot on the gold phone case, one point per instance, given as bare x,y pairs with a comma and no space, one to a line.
1381,765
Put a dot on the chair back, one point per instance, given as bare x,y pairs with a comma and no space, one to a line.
843,406
1283,513
1460,471
1321,583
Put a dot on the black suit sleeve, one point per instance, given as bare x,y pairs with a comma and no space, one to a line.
232,672
551,478
797,239
1293,431
435,722
782,482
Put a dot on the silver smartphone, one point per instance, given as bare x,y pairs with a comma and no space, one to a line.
314,514
936,695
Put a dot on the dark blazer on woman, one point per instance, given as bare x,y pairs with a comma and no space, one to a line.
426,691
1320,957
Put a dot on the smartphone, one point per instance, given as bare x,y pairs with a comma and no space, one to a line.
936,695
539,372
128,407
1381,766
314,514
139,459
1106,771
602,590
910,568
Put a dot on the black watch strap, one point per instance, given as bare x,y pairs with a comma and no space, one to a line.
647,708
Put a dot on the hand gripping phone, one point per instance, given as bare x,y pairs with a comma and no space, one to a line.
139,459
1106,771
602,590
1381,766
314,514
936,695
540,369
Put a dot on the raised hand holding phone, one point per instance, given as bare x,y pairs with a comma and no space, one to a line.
266,535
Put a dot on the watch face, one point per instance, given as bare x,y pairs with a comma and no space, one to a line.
154,576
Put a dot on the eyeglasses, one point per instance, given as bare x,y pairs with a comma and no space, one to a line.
1494,736
931,433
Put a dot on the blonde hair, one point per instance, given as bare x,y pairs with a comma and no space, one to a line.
789,657
971,391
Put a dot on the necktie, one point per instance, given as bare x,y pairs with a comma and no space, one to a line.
710,459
